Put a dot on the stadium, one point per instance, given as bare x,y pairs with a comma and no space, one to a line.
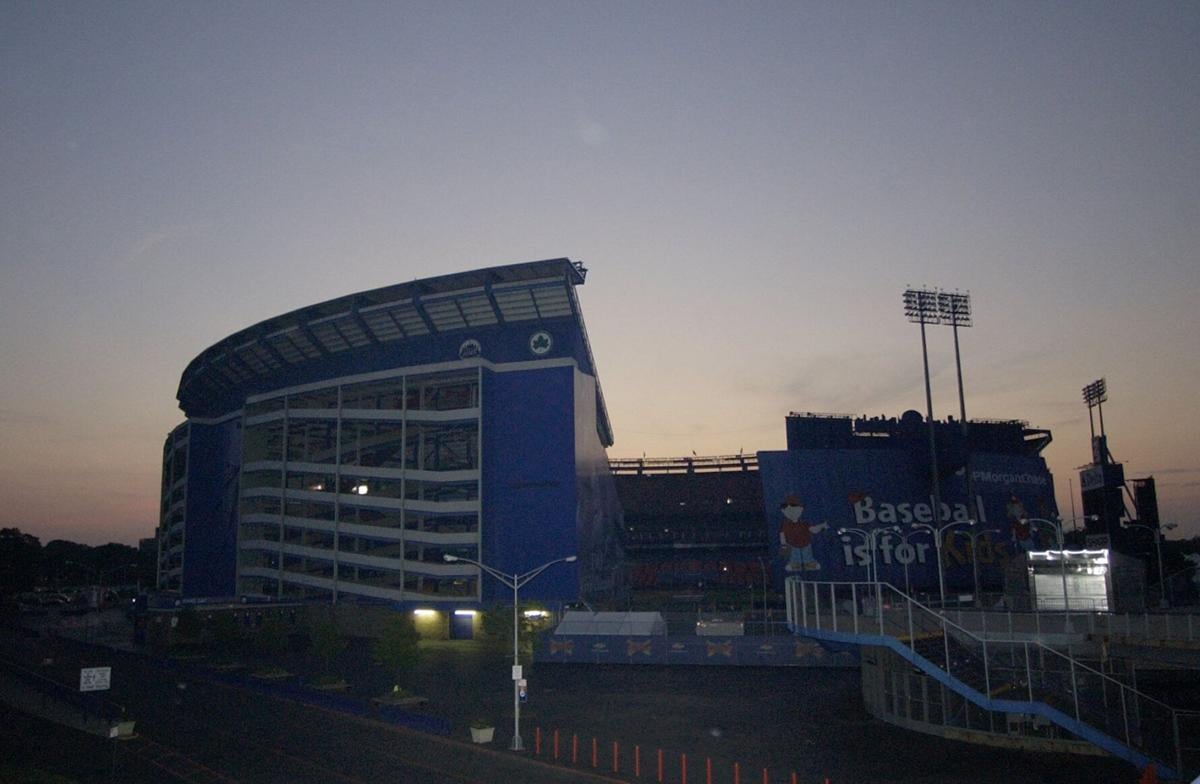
341,451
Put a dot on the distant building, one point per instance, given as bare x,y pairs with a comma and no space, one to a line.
338,452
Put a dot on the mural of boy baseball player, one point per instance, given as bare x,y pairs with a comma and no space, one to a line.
795,537
1018,522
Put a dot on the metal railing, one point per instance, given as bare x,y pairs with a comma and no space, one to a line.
1132,627
1011,675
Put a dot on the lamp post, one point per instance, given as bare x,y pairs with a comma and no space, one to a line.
1062,553
514,581
1156,532
907,585
869,539
763,568
936,533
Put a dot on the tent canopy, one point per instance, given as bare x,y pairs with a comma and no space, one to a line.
631,624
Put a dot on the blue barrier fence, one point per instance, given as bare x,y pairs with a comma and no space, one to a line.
746,651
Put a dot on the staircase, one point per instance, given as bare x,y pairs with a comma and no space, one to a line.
1009,676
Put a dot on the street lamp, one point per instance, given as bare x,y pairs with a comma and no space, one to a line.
514,581
936,533
1062,553
869,538
1156,532
763,568
907,585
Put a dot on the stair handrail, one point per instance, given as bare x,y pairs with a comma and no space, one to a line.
876,589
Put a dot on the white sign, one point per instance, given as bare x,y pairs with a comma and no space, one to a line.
516,672
95,678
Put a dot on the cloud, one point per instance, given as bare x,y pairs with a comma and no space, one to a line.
854,384
23,418
588,130
142,248
144,245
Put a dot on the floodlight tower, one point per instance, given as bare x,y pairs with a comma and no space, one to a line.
955,310
1094,395
921,307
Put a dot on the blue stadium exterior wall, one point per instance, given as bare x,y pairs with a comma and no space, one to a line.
528,481
602,572
875,488
544,487
547,490
215,457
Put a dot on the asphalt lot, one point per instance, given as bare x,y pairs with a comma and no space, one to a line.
810,722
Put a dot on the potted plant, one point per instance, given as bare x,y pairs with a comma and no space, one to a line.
482,731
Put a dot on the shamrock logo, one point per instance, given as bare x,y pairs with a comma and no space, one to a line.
540,342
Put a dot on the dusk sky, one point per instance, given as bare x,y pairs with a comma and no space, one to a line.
752,186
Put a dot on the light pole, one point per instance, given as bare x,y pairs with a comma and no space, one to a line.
763,568
1062,557
1156,532
907,585
922,306
514,581
936,533
869,539
955,310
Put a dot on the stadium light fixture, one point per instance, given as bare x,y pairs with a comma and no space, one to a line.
1094,395
955,310
922,306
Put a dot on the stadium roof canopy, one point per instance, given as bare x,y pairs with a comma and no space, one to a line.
495,296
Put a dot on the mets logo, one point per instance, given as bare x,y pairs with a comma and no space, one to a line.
562,646
719,649
469,349
636,646
540,343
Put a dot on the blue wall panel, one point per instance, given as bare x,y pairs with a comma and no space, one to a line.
874,488
214,460
602,573
528,496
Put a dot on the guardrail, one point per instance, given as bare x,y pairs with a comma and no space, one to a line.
1156,627
1011,675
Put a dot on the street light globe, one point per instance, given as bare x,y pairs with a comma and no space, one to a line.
573,559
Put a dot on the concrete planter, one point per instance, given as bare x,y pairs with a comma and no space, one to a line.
482,734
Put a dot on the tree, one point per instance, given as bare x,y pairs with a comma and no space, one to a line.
497,624
328,643
271,639
20,561
397,648
187,628
226,634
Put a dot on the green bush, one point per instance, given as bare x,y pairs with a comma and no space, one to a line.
397,648
327,643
